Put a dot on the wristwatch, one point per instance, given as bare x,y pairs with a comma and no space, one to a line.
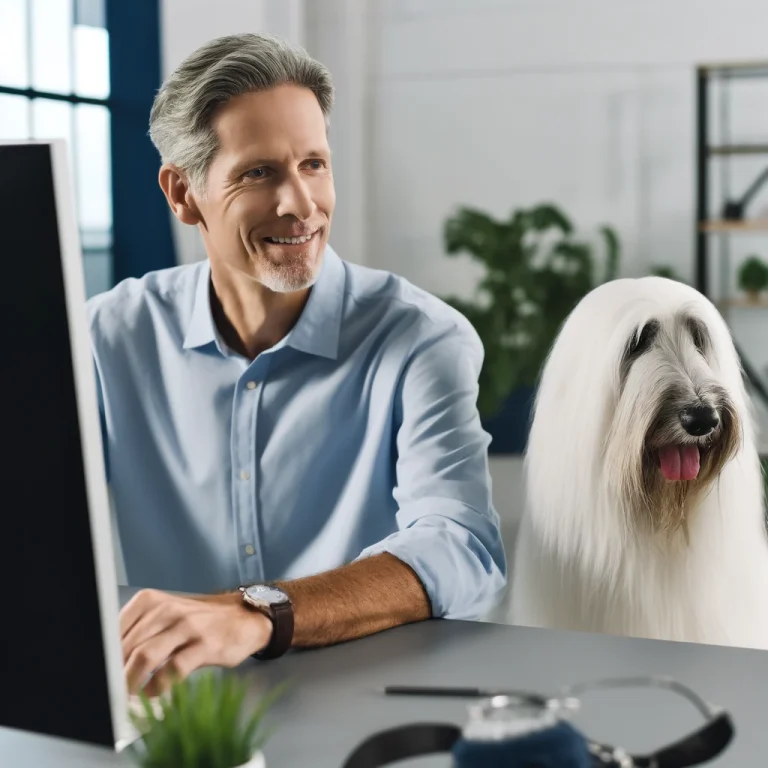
277,606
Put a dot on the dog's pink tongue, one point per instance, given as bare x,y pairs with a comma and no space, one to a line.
679,462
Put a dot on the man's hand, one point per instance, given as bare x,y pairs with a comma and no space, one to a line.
172,636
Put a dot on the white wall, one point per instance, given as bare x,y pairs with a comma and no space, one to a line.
499,104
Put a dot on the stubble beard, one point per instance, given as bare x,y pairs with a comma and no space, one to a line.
292,272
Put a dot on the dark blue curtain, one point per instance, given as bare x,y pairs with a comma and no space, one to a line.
142,236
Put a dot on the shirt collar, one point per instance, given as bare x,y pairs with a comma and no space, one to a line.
201,329
318,328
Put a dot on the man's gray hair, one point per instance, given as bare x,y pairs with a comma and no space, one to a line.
180,121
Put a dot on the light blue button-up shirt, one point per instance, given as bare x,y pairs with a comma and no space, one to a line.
356,434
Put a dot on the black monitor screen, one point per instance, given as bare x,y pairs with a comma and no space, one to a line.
54,678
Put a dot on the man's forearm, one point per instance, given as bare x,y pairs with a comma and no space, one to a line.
356,600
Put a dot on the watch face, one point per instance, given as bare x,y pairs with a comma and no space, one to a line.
268,595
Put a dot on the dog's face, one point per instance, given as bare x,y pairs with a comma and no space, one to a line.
675,416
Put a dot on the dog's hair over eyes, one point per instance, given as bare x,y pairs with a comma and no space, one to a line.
642,339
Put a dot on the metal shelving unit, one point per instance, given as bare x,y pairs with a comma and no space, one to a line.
732,217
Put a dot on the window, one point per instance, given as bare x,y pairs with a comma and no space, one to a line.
54,83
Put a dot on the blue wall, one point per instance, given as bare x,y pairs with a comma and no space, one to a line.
142,236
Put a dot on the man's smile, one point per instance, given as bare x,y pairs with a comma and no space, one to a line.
302,240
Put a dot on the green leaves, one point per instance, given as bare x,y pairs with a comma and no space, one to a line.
536,271
753,274
203,723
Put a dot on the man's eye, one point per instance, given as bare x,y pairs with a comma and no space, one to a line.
316,165
256,173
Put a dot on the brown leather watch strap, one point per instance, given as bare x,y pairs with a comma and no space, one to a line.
281,615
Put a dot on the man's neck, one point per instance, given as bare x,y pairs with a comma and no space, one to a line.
250,317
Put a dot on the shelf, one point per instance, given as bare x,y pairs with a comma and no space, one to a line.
735,68
707,104
750,225
743,303
740,149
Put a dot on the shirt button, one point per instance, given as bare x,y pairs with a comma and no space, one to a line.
249,550
244,475
251,385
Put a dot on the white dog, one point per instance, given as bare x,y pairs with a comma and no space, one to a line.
645,513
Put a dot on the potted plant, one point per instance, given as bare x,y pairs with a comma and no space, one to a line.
202,723
753,278
536,271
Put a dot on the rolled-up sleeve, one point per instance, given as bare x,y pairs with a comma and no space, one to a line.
448,530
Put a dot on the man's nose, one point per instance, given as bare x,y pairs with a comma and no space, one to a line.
295,199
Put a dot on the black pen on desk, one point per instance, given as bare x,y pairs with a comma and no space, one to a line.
461,693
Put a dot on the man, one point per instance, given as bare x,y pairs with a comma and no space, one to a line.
273,414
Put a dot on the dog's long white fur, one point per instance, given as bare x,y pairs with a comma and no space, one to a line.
576,565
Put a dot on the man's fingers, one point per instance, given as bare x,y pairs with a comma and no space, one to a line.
153,652
182,664
166,637
150,626
140,604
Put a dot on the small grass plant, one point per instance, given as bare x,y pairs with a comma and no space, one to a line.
203,722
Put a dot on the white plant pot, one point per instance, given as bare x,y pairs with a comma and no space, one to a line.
257,761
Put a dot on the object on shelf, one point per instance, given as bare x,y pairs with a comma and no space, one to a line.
733,210
753,278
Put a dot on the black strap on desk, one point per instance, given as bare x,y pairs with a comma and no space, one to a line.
401,742
695,749
407,741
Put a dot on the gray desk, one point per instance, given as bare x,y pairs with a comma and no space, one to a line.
335,704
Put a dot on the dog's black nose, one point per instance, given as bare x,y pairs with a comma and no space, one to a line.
699,420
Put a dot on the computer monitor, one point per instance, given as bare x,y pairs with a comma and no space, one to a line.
62,668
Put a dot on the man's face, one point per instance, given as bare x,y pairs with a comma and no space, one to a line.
270,196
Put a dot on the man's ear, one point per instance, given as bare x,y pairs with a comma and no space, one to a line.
178,194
